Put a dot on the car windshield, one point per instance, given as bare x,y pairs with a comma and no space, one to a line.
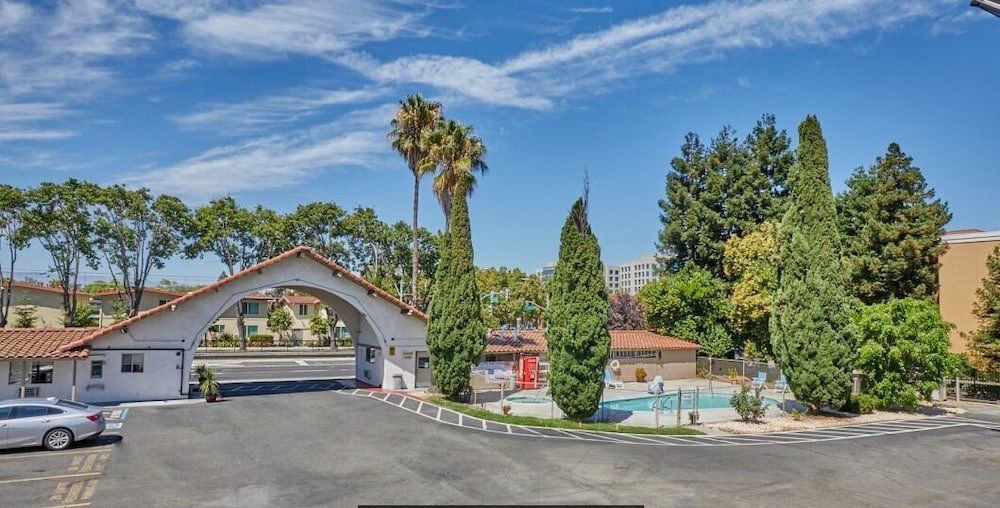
71,404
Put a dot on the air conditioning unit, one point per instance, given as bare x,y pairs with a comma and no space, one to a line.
30,391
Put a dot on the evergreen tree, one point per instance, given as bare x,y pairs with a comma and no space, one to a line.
578,339
456,336
813,336
985,342
24,316
891,225
770,155
692,213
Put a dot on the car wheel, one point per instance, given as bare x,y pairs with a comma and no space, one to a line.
58,439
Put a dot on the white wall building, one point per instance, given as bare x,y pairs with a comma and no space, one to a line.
630,277
149,356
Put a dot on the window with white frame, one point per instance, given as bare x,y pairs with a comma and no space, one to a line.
132,362
96,368
252,308
16,373
303,309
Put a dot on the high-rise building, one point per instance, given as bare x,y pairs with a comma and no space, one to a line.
630,277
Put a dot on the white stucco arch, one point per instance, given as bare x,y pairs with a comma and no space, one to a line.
170,333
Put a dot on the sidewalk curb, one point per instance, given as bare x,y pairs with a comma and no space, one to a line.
240,355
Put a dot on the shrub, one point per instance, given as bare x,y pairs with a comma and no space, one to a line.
260,340
640,374
861,403
750,406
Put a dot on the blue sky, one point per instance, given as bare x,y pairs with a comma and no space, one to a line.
286,102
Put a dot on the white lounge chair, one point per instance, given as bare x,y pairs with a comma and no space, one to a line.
611,382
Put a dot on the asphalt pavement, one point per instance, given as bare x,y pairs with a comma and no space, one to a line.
284,369
327,448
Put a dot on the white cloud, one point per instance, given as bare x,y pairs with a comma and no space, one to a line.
310,27
11,112
180,66
34,135
593,10
271,162
680,35
254,115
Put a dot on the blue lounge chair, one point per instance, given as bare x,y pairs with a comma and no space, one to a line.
760,380
781,385
611,382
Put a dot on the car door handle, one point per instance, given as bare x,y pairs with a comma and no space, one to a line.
46,421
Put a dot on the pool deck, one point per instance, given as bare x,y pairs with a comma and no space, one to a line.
641,418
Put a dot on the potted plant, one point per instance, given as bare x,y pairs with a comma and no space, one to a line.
734,377
208,386
201,369
640,375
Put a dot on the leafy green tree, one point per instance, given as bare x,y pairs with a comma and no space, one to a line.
24,316
626,313
83,317
458,154
577,334
749,265
279,321
16,232
100,286
321,227
891,225
136,233
456,336
813,336
771,156
690,304
319,326
62,218
225,229
366,239
415,119
692,212
509,295
904,351
984,343
119,310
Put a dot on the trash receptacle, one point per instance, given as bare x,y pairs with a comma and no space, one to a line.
397,382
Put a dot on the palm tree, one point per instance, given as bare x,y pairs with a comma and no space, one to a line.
414,119
459,154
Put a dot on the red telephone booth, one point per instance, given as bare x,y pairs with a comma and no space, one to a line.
527,371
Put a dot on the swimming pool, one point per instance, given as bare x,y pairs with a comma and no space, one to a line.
528,399
668,402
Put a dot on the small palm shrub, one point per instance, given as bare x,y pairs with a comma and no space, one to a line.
208,385
750,406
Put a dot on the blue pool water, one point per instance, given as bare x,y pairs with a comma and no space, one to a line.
528,399
669,402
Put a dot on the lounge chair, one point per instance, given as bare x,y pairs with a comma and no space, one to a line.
760,380
782,385
611,382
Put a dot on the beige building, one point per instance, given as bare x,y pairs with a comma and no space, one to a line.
961,272
105,303
46,300
629,278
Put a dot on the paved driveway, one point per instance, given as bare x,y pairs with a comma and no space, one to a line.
331,449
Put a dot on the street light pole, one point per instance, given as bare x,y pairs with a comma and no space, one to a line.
990,6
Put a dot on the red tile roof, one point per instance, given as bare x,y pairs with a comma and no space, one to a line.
963,231
43,287
296,252
28,343
152,289
301,299
533,341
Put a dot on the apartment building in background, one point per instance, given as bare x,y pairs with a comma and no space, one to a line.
628,278
961,272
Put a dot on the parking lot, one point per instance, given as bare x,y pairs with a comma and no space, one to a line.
323,448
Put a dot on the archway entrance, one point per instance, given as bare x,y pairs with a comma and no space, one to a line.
389,336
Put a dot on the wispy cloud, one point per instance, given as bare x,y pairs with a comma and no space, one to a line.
681,35
593,10
255,115
272,162
34,134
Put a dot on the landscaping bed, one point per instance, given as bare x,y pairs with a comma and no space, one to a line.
556,423
781,422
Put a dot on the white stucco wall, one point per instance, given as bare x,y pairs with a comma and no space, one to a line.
169,338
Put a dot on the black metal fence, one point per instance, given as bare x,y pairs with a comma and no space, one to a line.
977,385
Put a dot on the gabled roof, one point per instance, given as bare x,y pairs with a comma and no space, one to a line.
296,252
533,341
300,299
151,289
30,343
42,287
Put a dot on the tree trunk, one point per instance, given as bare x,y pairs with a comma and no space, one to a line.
239,326
415,252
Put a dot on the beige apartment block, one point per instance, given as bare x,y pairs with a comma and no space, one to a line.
961,272
48,303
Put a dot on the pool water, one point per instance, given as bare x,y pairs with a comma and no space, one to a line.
528,399
668,402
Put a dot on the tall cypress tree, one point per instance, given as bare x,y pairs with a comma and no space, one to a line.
578,339
891,225
985,342
812,333
456,336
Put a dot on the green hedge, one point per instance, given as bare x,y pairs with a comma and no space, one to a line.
260,340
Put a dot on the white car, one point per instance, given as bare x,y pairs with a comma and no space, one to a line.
53,423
